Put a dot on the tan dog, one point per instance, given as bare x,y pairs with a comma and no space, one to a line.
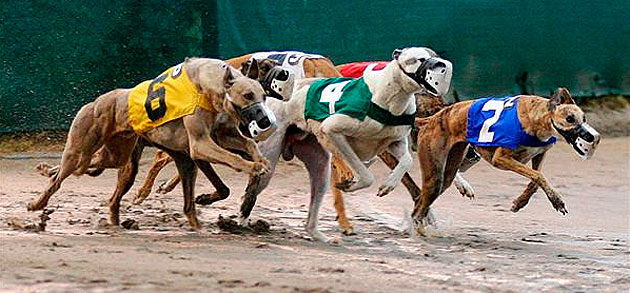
442,140
103,134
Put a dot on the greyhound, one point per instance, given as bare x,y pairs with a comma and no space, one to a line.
507,132
352,139
174,112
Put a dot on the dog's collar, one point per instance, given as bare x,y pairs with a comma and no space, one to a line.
387,118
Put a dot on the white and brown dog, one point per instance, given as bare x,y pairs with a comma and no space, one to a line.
358,119
507,132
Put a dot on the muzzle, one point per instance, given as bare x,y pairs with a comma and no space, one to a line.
257,121
583,138
434,75
278,83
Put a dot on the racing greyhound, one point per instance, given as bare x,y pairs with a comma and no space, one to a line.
174,112
381,121
508,132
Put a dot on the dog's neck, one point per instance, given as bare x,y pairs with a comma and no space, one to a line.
392,89
538,117
192,67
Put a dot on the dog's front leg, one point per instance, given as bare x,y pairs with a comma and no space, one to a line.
202,147
503,159
252,149
317,162
411,186
334,128
462,185
400,150
160,161
531,188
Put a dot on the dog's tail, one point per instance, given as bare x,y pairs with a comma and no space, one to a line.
420,122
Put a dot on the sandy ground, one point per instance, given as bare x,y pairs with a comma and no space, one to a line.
480,245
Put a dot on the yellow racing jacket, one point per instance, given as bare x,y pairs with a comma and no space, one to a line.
169,96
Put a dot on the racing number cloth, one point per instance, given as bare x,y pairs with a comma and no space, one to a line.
290,60
357,69
348,96
169,96
494,122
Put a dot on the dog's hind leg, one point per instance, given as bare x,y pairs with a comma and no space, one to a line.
342,219
46,169
344,173
187,172
333,128
433,168
83,141
169,185
69,163
160,161
407,181
531,188
317,162
222,191
126,176
453,162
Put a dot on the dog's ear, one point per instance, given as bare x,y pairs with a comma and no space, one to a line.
228,78
561,96
397,53
253,69
245,66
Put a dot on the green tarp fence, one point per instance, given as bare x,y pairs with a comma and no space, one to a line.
59,55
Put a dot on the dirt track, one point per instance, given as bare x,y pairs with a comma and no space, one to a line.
482,245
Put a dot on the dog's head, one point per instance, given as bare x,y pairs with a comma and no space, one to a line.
241,97
275,80
426,68
569,121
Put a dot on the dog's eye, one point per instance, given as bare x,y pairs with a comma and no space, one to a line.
571,119
249,96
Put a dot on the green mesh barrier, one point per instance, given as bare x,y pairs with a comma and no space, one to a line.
58,55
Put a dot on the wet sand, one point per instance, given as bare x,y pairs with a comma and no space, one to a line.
480,245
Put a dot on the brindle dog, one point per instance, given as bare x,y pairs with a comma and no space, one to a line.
442,140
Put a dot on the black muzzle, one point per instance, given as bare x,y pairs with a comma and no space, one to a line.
257,121
583,138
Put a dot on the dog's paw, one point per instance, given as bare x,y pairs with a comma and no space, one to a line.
34,206
558,204
209,198
518,204
46,170
141,196
349,231
344,185
465,189
259,168
384,190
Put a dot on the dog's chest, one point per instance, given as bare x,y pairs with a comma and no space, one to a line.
524,154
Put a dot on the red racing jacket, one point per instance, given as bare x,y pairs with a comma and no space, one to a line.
356,69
